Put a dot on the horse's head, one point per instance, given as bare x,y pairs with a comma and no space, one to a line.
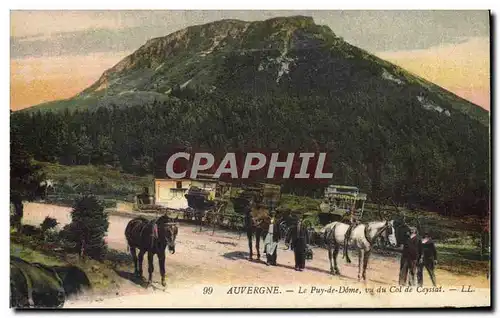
168,231
401,230
390,233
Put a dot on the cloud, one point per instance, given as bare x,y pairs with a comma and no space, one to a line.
406,30
450,48
54,33
29,23
77,43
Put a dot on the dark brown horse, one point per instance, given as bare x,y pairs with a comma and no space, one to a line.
153,237
257,220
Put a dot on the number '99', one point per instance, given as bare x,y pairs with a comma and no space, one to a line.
207,290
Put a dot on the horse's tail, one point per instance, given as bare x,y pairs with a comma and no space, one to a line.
325,236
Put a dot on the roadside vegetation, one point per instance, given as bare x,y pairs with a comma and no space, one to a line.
458,238
80,243
103,275
106,183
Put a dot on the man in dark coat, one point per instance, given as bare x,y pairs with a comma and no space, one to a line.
427,259
299,241
144,198
412,249
353,223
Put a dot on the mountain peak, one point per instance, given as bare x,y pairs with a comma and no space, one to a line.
282,56
297,20
205,39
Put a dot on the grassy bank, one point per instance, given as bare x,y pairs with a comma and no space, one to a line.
107,183
103,276
100,180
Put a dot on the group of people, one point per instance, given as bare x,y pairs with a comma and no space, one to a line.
418,252
298,239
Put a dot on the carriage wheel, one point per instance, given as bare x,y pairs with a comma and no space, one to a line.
240,225
220,219
215,221
188,214
233,223
210,217
198,216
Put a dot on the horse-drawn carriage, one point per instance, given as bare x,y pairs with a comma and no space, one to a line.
144,202
264,195
206,200
341,203
214,209
206,205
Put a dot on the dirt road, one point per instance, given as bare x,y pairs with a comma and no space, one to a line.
219,261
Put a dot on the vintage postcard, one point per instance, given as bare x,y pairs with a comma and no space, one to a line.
250,159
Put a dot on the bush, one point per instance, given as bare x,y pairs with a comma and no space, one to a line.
30,230
89,224
67,238
48,224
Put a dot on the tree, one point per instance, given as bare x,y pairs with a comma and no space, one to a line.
84,148
405,152
89,224
25,177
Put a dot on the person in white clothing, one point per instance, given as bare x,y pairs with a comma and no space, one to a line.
271,241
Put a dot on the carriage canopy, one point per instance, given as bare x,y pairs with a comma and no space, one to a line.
266,195
341,201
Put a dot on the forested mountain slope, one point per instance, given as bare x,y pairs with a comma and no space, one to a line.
286,84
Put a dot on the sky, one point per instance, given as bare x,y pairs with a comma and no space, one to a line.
57,54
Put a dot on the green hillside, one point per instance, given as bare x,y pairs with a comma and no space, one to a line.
283,83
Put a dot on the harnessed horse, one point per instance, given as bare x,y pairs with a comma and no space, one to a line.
363,237
152,237
257,220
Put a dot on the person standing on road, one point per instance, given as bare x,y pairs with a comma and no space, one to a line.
144,198
271,241
352,224
299,240
427,259
412,249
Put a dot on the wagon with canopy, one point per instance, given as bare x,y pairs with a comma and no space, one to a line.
266,198
341,203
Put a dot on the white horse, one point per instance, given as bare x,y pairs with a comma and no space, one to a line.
362,237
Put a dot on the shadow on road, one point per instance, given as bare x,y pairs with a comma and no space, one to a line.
236,255
118,257
226,243
132,278
75,280
239,255
310,268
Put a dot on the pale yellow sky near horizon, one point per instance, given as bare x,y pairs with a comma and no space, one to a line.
463,68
